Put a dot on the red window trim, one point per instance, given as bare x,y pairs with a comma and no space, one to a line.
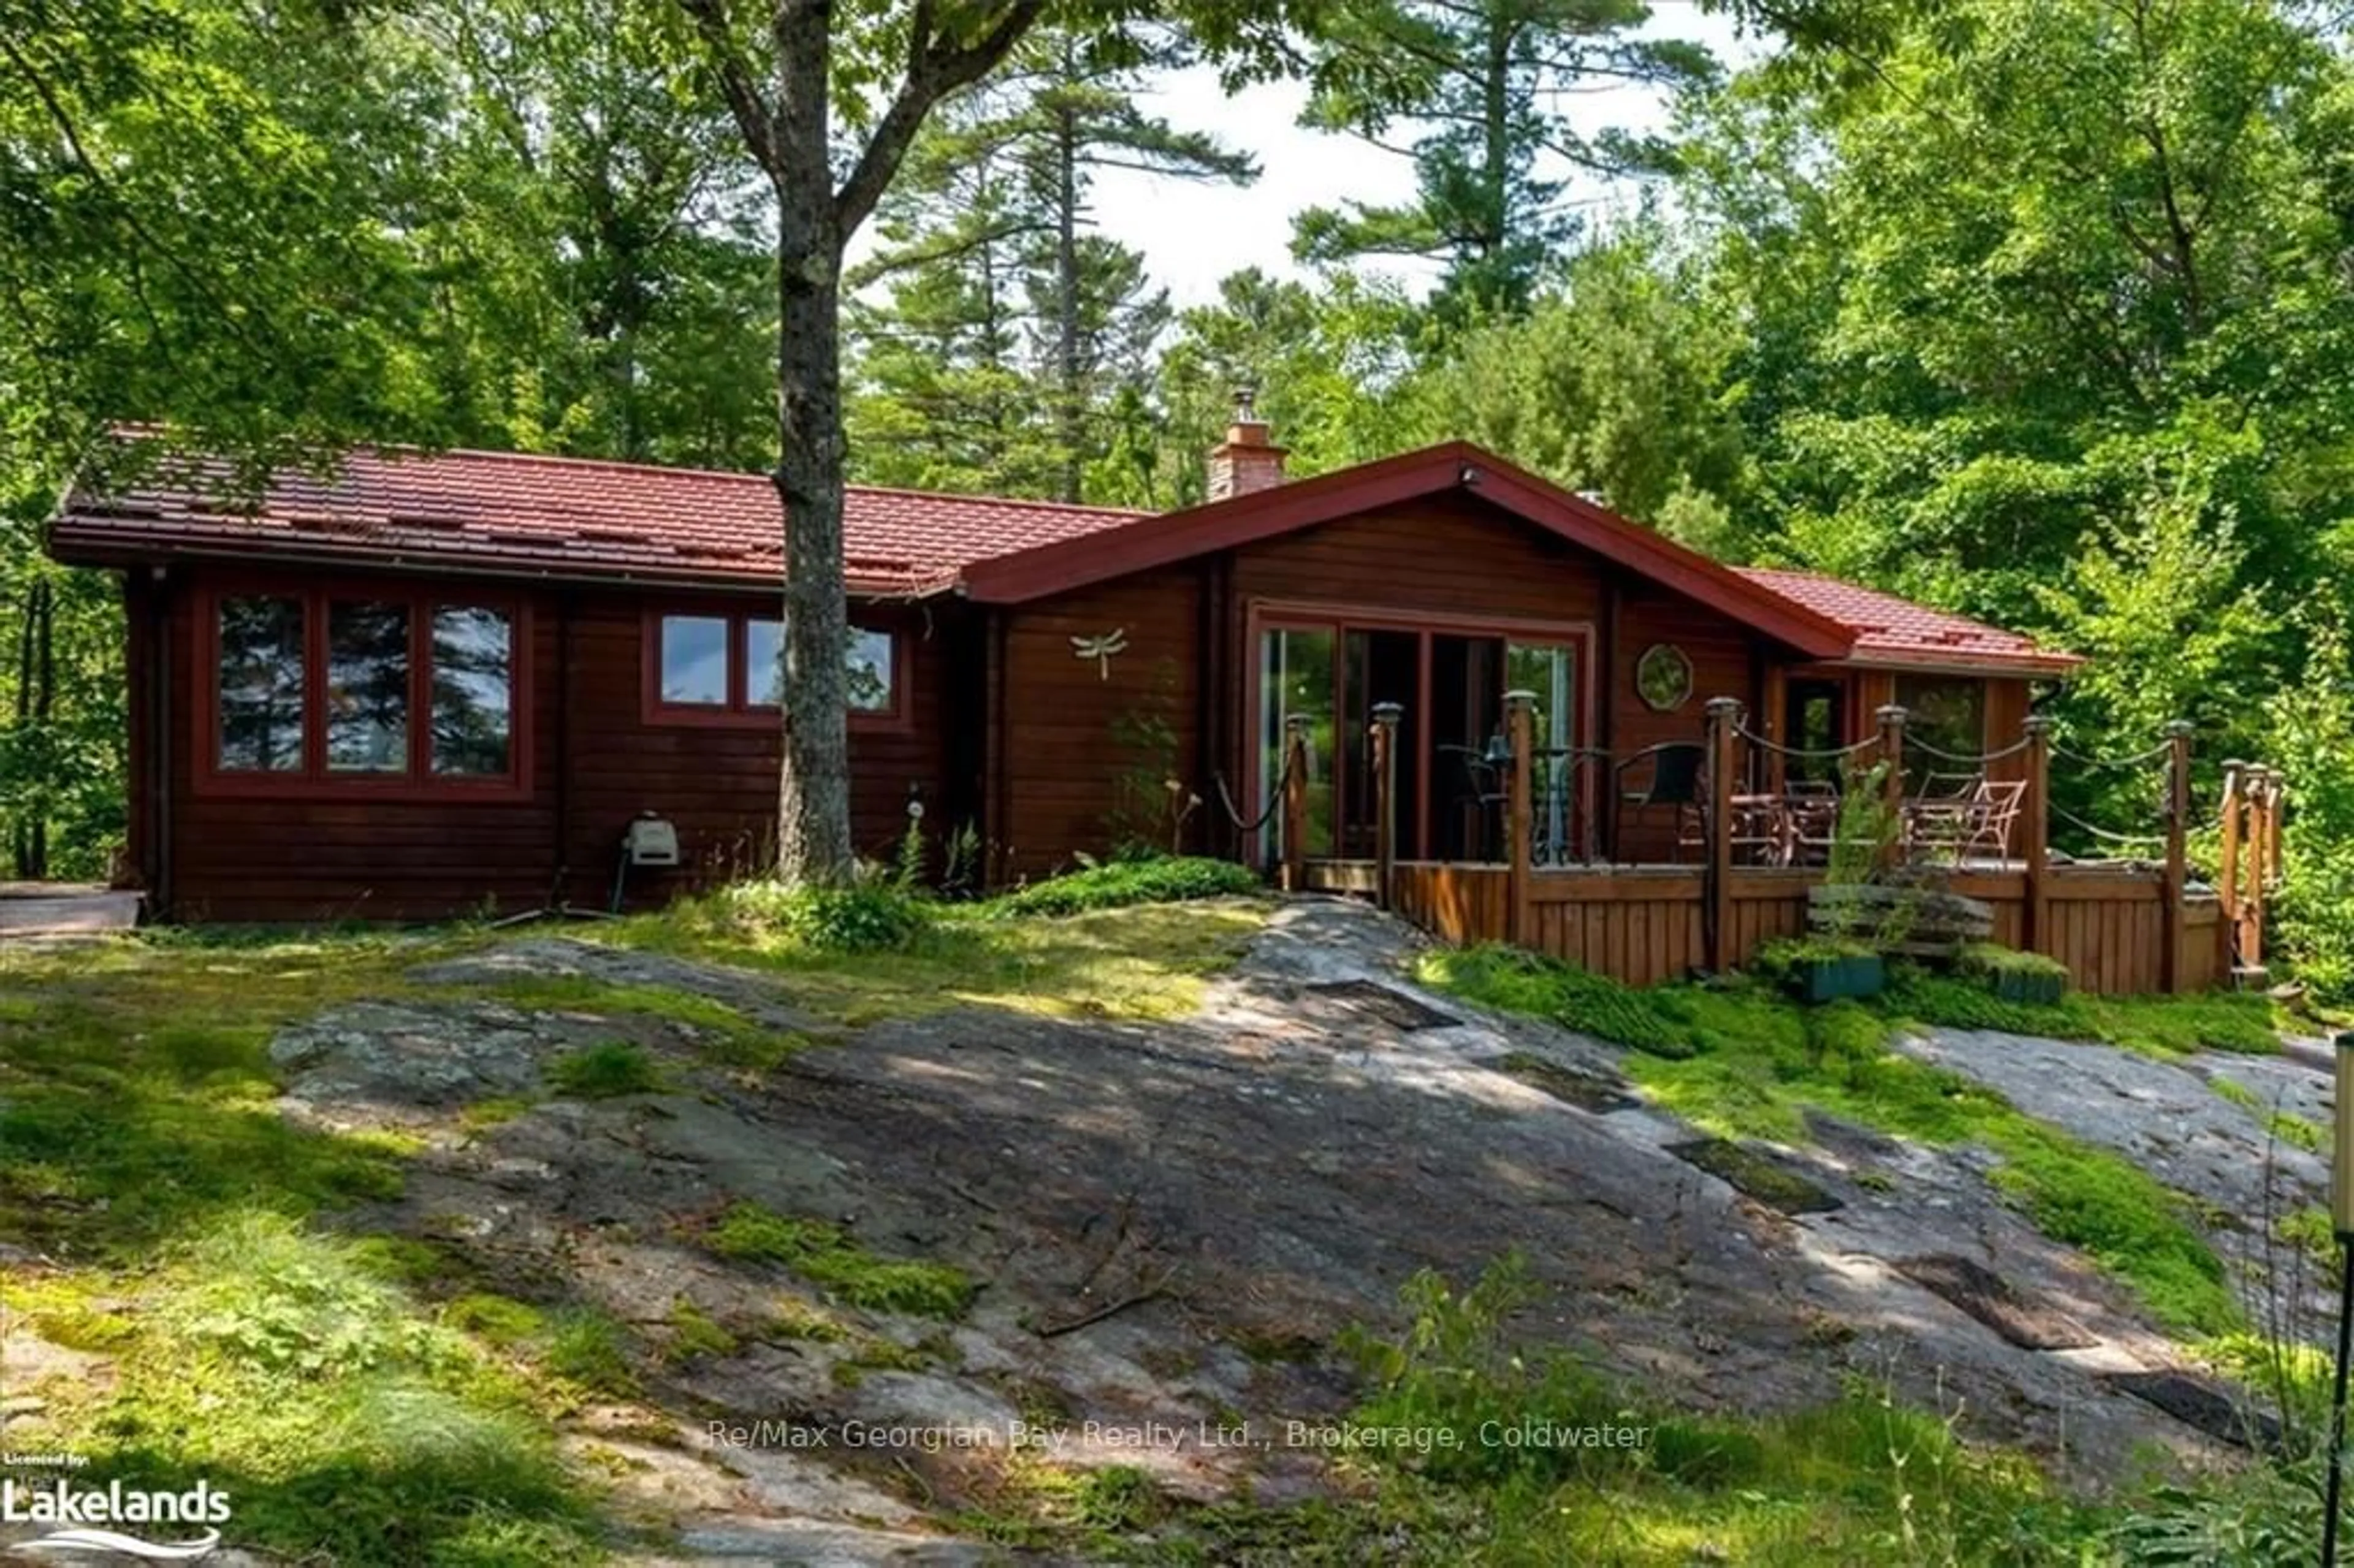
315,781
737,712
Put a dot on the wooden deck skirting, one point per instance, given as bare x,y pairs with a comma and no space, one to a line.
2122,927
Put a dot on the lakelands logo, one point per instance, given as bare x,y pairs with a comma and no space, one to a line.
83,1514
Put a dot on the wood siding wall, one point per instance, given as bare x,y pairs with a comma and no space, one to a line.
595,763
1083,742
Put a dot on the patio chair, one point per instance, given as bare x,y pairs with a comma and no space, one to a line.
1942,815
1999,808
1675,783
1810,809
1480,801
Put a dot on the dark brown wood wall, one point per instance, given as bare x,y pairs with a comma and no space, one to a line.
1453,558
1082,740
718,783
345,854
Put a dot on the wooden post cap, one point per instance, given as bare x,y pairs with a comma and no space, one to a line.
2037,724
1388,713
2179,728
1717,707
1295,723
1520,699
1890,713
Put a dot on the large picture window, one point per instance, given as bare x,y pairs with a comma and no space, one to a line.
333,689
706,667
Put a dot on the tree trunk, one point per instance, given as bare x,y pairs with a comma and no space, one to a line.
1066,293
813,839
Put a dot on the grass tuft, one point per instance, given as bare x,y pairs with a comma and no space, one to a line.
824,1255
606,1072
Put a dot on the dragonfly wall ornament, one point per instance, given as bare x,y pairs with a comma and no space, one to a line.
1102,650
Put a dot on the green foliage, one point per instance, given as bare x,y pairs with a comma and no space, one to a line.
606,1072
1670,1021
1862,1480
825,1255
590,1349
1116,884
693,1332
1482,90
1743,1062
1013,346
1611,386
2313,723
2156,1025
1993,959
870,917
347,1426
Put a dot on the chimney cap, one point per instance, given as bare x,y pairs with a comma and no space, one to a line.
1246,404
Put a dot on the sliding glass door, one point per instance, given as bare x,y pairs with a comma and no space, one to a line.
1452,761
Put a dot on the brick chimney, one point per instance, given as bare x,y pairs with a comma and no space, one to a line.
1246,460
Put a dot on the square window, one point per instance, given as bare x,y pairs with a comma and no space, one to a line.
694,660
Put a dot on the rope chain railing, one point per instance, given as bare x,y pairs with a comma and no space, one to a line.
1805,754
1274,798
2137,759
1914,744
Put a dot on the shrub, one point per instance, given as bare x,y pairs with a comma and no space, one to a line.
1163,880
1994,958
862,918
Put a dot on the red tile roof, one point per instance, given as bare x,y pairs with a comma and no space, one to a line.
565,516
1893,630
521,513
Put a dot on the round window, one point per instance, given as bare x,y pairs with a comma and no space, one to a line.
1663,677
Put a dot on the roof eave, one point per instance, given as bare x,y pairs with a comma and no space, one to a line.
2048,664
110,545
1048,569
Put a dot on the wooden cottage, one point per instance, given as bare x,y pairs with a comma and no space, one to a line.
443,682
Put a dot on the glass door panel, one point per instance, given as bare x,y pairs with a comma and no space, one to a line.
1378,667
1296,675
1550,670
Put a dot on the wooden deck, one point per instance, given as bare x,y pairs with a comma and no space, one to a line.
1646,924
49,910
2122,926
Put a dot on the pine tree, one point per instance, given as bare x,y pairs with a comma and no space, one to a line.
1010,345
1486,78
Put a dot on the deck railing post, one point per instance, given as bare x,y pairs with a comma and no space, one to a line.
2235,819
1891,719
2177,827
2279,782
2036,935
1723,719
2262,827
1295,804
1385,742
1520,808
